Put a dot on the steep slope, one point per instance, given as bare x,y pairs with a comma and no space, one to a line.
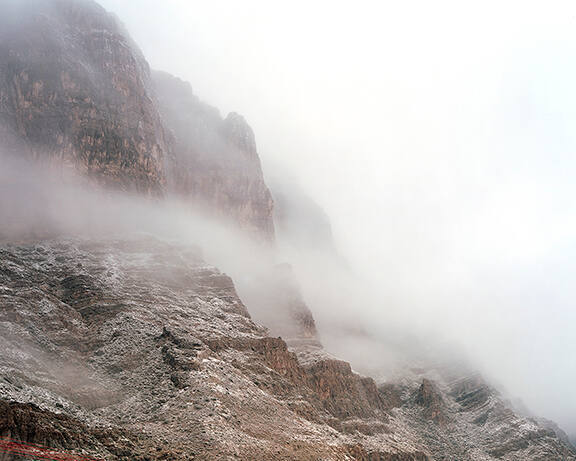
136,348
216,165
459,416
75,92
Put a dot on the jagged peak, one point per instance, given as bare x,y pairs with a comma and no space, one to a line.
240,134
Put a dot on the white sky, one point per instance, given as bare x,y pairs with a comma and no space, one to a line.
440,138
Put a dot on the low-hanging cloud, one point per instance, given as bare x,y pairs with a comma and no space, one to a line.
438,138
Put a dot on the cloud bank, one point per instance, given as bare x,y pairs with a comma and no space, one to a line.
439,139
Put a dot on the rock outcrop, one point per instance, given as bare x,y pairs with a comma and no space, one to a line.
430,399
134,348
215,162
75,92
149,354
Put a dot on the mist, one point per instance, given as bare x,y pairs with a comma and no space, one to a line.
38,203
438,140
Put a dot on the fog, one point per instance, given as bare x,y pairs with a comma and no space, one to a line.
438,137
38,201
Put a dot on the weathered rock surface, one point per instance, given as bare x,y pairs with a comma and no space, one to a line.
147,351
75,92
216,164
430,398
136,349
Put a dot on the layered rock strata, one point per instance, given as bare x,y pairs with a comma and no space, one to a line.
134,348
76,94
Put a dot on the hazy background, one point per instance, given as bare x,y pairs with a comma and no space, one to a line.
440,139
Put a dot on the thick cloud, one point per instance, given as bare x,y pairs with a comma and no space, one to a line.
439,138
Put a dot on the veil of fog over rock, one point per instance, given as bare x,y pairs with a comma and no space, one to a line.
437,136
252,230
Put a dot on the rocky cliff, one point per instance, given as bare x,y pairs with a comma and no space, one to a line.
216,165
77,94
136,349
132,347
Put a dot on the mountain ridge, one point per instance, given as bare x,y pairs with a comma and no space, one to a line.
134,347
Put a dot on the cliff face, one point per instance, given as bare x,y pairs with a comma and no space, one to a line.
216,164
135,348
75,92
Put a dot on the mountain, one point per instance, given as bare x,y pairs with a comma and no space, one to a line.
127,345
216,164
77,94
135,348
139,350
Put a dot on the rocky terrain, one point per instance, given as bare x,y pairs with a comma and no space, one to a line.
131,346
135,348
139,350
